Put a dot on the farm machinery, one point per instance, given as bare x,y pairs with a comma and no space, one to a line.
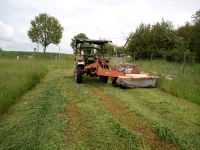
95,63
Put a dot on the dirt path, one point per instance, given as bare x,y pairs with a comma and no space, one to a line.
132,121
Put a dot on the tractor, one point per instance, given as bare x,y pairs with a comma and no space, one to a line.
95,63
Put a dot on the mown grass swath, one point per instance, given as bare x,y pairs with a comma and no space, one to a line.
173,119
16,78
40,120
185,85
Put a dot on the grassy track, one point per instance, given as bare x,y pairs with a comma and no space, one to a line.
59,114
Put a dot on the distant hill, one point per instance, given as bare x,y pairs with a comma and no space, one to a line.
26,55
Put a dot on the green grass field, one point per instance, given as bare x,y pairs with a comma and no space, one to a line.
60,114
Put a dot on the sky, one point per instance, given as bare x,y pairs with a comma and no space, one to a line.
98,19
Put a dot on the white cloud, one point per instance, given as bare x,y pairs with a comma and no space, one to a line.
6,32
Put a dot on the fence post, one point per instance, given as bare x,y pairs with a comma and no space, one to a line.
134,56
184,59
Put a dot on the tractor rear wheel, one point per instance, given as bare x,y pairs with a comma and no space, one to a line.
103,79
114,83
79,75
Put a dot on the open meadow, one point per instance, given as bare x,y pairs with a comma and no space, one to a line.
43,108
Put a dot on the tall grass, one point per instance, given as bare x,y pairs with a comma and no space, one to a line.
185,85
16,77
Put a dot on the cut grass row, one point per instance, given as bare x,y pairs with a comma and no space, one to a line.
102,130
173,119
185,85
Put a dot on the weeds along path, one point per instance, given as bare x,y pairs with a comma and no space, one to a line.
133,122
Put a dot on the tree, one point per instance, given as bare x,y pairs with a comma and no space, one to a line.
162,40
196,17
186,33
139,43
80,36
195,39
45,30
121,51
109,49
164,35
156,40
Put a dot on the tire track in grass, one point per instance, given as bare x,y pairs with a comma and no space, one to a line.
76,133
134,123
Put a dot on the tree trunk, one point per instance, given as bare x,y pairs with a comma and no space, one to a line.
45,48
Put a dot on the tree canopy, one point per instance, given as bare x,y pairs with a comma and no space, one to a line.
80,36
162,40
45,30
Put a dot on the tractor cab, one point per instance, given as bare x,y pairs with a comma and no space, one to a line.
90,49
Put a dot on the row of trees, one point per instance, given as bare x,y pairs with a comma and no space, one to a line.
162,40
159,40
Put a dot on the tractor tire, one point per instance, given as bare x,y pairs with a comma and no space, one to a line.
103,79
79,75
114,83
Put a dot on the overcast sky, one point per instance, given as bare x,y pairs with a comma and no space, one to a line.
109,19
